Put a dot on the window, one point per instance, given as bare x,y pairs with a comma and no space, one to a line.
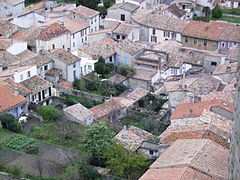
74,74
118,36
205,42
174,36
123,37
91,22
186,39
174,71
151,152
95,28
33,98
214,43
125,60
166,34
213,63
154,39
85,38
21,77
53,46
63,46
74,64
74,44
195,41
118,59
154,31
122,17
73,36
110,59
45,67
29,73
82,33
223,44
82,40
89,68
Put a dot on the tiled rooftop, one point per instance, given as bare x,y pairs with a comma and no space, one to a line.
117,79
104,47
14,2
7,28
123,29
201,154
64,56
7,59
125,6
184,110
53,71
130,47
85,11
226,69
9,98
176,11
144,74
72,25
38,60
213,31
132,137
26,55
36,84
34,7
52,31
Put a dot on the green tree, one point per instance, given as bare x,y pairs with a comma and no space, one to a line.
207,12
125,70
103,68
97,140
49,113
124,163
9,122
217,12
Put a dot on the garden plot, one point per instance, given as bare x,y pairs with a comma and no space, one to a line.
53,153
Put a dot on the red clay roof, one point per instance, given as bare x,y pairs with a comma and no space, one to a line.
9,99
213,31
52,31
183,110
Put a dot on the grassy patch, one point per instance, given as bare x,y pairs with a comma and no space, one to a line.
231,11
58,133
3,133
18,142
228,19
85,102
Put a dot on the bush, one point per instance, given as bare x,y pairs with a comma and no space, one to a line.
125,70
9,122
216,12
49,113
32,150
103,68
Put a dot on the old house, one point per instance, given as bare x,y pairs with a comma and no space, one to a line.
88,15
225,72
125,31
43,63
157,27
103,48
141,3
10,8
54,36
12,102
188,159
232,55
12,46
68,63
79,31
116,108
175,12
40,89
136,139
7,60
126,51
7,30
211,36
234,4
54,75
122,11
79,114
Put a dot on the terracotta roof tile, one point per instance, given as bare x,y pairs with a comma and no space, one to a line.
64,56
226,69
9,98
85,11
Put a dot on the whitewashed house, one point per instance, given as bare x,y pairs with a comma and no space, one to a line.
88,15
68,63
123,31
141,3
10,8
87,61
53,36
79,30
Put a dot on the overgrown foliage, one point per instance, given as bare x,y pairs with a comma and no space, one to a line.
103,68
32,149
126,164
97,140
125,70
49,113
9,122
216,12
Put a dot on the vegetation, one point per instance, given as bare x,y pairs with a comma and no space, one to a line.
32,150
9,122
49,113
18,142
216,12
103,68
125,70
97,140
124,163
93,84
85,102
231,11
2,133
228,19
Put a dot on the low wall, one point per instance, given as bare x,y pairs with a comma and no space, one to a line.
81,94
5,176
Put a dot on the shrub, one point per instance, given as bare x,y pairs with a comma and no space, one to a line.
216,12
32,150
103,68
49,113
125,70
9,122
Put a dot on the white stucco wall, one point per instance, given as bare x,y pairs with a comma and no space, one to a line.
160,35
7,10
17,48
79,38
23,75
71,69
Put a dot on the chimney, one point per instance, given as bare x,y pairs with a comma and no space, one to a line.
191,113
228,69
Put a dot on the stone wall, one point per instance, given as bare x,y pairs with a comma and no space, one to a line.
234,159
80,94
5,176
